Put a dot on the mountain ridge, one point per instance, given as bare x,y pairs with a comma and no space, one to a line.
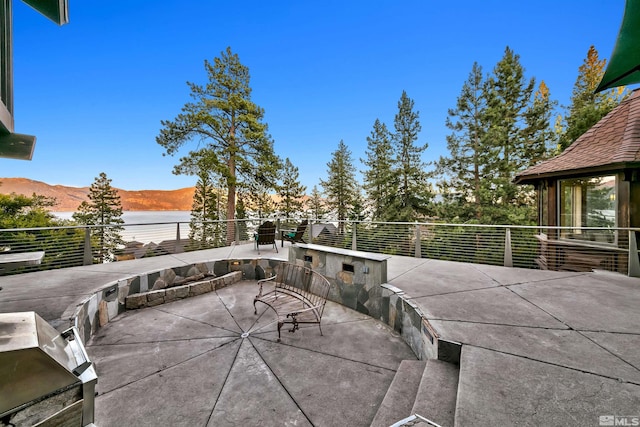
69,198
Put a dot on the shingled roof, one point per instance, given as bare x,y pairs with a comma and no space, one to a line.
611,144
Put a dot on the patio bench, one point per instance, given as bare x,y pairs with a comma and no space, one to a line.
299,295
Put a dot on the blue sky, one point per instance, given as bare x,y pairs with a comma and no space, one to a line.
95,90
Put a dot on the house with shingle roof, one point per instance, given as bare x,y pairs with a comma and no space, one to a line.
591,186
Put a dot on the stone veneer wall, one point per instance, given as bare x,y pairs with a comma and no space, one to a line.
110,301
367,293
365,290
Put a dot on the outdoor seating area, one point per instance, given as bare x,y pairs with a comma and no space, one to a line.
298,296
563,342
484,273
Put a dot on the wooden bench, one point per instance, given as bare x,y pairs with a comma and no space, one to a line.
298,296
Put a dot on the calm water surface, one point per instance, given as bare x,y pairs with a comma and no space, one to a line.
143,217
149,233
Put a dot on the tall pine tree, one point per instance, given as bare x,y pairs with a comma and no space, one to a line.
508,94
205,227
259,201
462,171
538,134
358,211
290,190
414,192
340,186
316,205
500,127
103,209
379,181
206,230
587,107
226,123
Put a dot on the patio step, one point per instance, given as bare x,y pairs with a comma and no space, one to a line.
400,397
438,393
428,389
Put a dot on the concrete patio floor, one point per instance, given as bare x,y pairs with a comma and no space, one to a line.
186,364
539,347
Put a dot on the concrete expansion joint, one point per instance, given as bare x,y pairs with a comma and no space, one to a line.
453,292
540,308
476,322
609,351
554,364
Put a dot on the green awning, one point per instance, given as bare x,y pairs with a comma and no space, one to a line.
56,10
624,66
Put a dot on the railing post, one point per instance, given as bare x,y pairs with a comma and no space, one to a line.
418,250
508,257
178,246
634,262
354,240
87,258
237,230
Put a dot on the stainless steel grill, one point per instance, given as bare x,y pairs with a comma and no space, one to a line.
46,378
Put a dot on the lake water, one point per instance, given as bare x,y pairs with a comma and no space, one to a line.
149,233
143,217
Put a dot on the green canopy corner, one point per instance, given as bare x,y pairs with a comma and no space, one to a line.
56,10
624,66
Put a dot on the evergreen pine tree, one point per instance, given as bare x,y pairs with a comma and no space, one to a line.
205,229
228,125
103,209
461,172
379,175
413,190
588,107
358,211
508,94
340,186
290,190
316,204
500,127
260,201
241,216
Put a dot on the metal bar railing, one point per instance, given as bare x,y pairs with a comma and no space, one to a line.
540,247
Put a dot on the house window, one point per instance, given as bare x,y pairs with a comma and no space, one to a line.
543,204
587,204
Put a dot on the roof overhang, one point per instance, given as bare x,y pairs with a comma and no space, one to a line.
17,146
575,173
624,65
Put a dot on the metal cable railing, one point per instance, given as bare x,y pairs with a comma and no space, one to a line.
553,248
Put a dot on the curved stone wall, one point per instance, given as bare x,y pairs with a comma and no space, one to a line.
113,298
